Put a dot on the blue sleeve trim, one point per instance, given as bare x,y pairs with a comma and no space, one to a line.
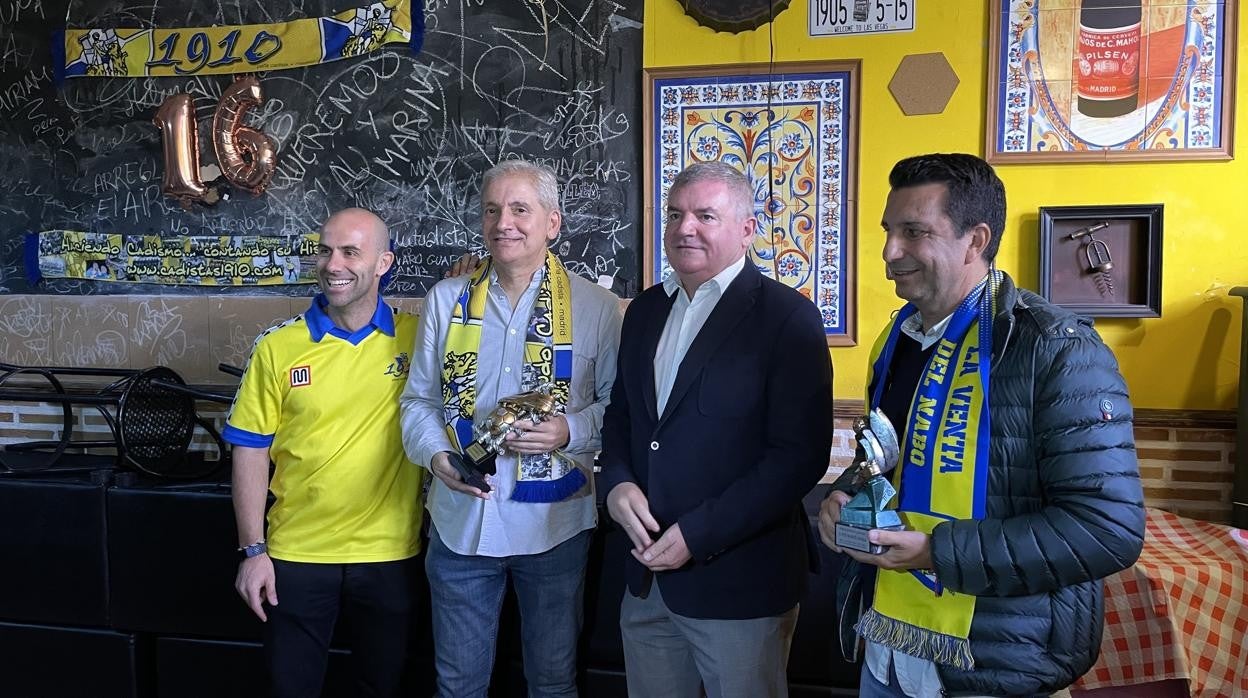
242,437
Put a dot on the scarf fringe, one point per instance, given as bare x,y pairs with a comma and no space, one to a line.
549,491
915,641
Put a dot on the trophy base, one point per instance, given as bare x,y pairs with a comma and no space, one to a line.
472,477
855,538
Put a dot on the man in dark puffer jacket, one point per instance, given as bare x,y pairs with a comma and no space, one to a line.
1060,506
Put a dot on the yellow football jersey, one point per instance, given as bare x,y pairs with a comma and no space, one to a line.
326,404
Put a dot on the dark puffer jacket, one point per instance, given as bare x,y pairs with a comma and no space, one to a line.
1064,510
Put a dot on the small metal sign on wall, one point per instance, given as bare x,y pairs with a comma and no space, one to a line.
841,17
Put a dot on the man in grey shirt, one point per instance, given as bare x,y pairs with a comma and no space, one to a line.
501,331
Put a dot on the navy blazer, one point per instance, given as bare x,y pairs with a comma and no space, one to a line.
746,433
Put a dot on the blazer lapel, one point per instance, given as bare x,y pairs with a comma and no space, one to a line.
649,347
734,305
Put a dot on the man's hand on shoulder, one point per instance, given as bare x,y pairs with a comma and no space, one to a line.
466,264
444,471
907,550
257,584
628,507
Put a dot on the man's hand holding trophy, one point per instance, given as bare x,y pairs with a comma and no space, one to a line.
868,508
477,459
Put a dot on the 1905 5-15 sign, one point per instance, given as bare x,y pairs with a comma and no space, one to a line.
839,17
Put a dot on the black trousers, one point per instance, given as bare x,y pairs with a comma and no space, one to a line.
374,600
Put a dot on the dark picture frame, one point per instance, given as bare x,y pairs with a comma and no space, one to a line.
1077,241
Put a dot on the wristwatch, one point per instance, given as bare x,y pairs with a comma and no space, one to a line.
257,548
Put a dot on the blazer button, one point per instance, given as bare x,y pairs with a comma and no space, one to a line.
654,445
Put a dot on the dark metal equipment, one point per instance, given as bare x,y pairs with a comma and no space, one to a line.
1239,489
150,414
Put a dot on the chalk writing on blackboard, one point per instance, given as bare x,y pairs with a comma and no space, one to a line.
405,135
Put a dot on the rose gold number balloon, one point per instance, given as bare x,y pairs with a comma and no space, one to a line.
247,157
176,120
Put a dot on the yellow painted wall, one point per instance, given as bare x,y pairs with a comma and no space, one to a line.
1186,359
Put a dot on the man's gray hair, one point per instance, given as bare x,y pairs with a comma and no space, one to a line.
543,178
738,185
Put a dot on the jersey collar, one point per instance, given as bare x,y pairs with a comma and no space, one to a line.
320,324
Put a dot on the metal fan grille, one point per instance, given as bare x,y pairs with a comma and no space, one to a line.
156,423
36,459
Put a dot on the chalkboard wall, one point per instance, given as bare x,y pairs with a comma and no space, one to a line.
404,135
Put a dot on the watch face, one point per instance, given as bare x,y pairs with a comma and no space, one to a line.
734,15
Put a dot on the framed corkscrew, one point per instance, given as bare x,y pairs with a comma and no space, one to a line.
1102,261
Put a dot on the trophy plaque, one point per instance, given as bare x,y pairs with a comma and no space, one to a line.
477,459
868,509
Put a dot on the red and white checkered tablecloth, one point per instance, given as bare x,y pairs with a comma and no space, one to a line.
1181,612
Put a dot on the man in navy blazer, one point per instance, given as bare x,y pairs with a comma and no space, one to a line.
720,421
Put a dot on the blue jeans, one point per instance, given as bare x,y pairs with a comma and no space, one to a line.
467,593
870,687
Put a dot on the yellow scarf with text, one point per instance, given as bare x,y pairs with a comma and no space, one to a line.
543,477
942,475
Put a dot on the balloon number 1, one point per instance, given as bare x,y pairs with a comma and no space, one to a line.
246,156
176,120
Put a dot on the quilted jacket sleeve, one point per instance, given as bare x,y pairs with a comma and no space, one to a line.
1086,521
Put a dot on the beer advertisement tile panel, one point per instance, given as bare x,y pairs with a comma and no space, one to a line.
1111,80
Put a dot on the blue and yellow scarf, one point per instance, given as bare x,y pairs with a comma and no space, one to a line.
132,52
943,477
544,477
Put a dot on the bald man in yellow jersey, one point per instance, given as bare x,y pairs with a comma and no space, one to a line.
319,399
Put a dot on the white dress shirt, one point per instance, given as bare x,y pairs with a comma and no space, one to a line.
500,527
912,327
683,324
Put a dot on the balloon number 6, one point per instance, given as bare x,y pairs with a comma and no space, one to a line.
247,157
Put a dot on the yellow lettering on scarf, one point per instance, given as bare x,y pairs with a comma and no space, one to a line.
918,442
970,363
940,362
925,411
953,437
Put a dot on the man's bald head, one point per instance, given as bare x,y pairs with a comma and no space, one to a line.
351,257
363,220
